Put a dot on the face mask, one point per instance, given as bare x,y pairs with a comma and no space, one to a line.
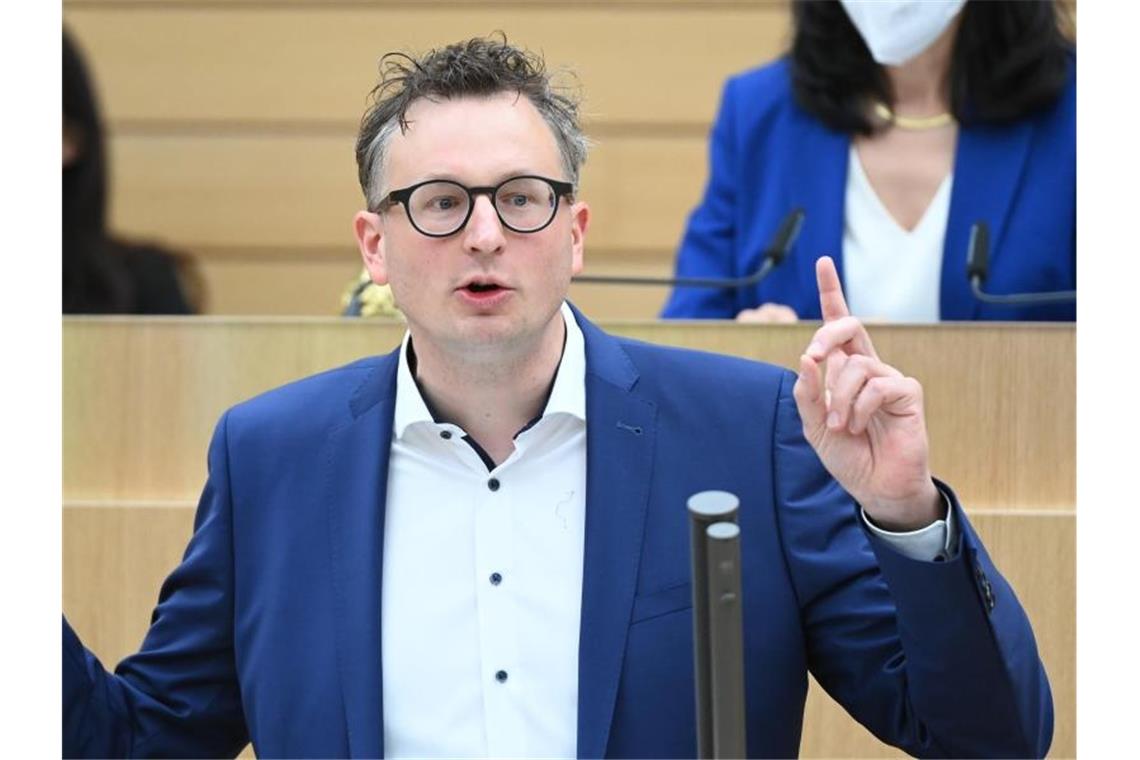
898,30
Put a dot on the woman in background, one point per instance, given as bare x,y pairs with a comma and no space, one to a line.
895,126
102,274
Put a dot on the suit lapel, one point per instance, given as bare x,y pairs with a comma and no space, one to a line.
356,481
620,444
988,169
819,187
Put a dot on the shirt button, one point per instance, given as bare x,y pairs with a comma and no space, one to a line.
496,579
501,676
493,484
445,435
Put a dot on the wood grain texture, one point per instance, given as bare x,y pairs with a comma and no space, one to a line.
637,63
141,395
1000,398
284,283
115,558
265,193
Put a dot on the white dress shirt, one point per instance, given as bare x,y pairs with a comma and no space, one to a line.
890,273
482,578
482,589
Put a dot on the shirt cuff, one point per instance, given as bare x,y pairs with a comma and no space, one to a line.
936,542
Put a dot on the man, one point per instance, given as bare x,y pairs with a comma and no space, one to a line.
477,545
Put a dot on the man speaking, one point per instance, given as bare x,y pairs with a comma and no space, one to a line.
477,545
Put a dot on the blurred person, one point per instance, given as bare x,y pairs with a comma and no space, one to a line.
476,545
103,273
895,125
364,298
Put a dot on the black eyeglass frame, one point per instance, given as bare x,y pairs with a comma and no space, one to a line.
403,195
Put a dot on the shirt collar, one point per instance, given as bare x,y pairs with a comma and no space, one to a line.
567,396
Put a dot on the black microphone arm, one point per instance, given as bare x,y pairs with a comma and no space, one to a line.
356,303
977,267
778,249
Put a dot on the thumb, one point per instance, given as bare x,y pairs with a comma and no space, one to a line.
809,395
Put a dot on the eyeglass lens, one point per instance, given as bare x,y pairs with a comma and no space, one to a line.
441,207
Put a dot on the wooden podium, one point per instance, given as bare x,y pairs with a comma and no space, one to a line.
141,396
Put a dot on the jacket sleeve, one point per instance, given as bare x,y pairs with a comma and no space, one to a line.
936,658
708,248
178,696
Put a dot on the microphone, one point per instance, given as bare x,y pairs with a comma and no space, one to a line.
977,267
777,250
355,302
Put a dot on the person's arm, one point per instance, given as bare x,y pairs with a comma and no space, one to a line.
935,657
708,248
179,695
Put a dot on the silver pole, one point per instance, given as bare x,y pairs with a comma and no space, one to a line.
726,640
705,508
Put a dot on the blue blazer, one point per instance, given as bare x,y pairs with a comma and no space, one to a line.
769,156
269,630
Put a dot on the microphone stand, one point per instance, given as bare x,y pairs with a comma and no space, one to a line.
782,242
977,267
718,638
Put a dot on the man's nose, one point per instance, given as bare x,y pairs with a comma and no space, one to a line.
484,231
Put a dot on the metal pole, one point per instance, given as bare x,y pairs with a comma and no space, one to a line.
705,508
726,640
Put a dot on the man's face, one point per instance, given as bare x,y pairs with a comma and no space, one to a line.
476,142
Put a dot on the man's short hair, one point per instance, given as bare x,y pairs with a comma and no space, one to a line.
479,67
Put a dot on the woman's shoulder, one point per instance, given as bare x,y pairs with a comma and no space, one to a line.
761,99
764,87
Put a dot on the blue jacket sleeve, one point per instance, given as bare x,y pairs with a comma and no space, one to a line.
708,248
937,658
178,696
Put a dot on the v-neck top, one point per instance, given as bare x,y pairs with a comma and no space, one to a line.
891,273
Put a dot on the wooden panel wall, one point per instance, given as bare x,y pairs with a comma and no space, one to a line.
116,556
232,124
141,397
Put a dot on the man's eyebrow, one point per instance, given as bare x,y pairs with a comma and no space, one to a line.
453,177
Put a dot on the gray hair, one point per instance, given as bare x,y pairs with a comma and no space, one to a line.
477,67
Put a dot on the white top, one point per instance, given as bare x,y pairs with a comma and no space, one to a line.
889,273
474,667
478,664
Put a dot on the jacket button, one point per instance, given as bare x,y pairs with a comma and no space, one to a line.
493,484
496,579
501,676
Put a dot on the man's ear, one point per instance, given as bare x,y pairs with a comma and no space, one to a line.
369,230
579,221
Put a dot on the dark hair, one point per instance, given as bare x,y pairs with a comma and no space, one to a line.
1010,58
476,67
103,274
92,280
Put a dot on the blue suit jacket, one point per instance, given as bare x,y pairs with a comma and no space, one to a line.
769,156
270,627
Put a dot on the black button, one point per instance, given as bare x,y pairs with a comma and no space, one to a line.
501,676
493,484
445,435
496,579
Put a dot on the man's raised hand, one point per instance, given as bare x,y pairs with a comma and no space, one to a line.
864,418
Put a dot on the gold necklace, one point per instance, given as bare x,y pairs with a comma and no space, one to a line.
912,122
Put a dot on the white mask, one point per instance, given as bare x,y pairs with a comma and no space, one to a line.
898,30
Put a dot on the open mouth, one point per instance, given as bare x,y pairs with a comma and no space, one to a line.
482,287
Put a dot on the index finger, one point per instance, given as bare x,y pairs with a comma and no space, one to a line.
831,301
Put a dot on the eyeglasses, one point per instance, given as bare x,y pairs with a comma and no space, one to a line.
440,207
